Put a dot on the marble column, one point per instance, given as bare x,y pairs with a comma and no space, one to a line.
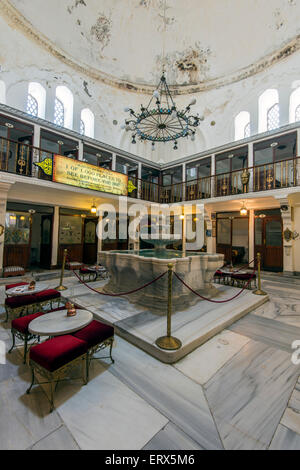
251,237
288,246
208,223
55,232
4,189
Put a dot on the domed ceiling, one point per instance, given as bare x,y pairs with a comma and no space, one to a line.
208,44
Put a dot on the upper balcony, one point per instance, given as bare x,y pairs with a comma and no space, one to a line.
18,158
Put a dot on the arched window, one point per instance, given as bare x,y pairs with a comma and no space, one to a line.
269,111
297,113
82,127
247,130
59,113
295,106
88,120
242,125
273,117
63,112
32,106
2,92
36,101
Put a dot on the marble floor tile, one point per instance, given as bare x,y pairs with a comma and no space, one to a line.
171,438
291,420
106,414
268,331
61,439
24,419
205,361
285,439
294,402
250,393
177,397
14,364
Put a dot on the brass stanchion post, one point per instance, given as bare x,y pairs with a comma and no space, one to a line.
259,291
169,342
61,286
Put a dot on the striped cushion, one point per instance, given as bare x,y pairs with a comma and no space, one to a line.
10,269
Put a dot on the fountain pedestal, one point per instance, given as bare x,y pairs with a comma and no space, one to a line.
129,271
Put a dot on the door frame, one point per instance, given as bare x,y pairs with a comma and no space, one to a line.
262,248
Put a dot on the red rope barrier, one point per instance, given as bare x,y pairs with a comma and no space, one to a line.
122,293
215,301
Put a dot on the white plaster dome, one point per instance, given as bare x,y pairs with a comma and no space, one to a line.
208,43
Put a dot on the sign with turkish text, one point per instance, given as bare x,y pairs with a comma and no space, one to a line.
84,175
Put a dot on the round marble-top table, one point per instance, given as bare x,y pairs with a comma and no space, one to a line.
226,271
96,268
23,290
58,323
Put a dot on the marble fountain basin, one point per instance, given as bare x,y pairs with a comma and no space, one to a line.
132,269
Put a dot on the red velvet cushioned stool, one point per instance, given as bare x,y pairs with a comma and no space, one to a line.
95,333
19,304
97,336
53,358
85,272
19,329
243,279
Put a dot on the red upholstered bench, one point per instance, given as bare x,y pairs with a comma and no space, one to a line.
18,305
97,336
242,279
220,276
19,329
54,358
85,272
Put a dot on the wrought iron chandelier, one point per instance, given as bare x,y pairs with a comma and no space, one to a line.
161,121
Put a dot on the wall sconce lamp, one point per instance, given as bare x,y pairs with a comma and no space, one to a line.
243,210
94,208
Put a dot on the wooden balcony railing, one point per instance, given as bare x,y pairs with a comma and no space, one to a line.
18,158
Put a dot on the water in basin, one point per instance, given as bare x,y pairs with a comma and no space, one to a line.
160,254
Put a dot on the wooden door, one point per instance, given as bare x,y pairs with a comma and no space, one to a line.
268,242
90,241
46,241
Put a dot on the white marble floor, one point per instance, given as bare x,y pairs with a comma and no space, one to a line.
239,390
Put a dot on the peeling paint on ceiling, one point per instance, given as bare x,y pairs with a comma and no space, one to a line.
207,45
101,30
